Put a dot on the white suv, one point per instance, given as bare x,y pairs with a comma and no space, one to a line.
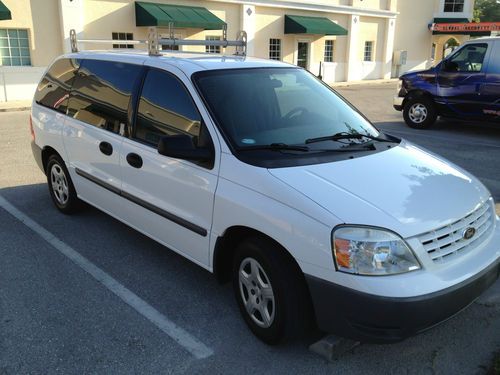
263,175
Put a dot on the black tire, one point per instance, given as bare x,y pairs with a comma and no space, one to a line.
292,306
61,188
427,109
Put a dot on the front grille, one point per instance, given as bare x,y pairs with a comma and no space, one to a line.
447,243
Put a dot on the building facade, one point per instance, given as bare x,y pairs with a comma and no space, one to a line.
341,40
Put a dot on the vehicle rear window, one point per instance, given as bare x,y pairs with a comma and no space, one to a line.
53,90
165,108
101,93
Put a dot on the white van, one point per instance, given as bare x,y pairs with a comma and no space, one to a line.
263,175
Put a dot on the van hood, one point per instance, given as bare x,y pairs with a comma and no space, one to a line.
406,189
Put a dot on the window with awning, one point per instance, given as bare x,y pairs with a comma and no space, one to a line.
312,25
180,16
4,12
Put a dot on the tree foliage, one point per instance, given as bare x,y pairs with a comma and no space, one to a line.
487,11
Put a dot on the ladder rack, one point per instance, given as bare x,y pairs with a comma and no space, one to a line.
154,41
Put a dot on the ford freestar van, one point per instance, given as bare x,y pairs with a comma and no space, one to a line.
263,175
465,85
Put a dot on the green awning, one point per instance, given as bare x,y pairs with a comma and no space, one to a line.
312,25
153,14
4,12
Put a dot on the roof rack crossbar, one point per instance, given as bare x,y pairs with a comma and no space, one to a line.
154,41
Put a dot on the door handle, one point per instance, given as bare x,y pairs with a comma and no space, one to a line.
106,148
134,160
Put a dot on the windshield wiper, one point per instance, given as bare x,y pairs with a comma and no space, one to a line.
275,147
344,135
285,147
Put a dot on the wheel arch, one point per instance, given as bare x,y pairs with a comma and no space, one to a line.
47,151
225,245
417,93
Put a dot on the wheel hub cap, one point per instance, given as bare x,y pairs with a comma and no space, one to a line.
256,292
59,184
418,113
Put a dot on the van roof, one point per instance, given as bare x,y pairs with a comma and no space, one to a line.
189,63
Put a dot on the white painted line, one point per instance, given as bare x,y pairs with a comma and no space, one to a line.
183,338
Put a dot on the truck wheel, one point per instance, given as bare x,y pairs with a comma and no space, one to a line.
420,113
270,291
61,187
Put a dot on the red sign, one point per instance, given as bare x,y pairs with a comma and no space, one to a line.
471,27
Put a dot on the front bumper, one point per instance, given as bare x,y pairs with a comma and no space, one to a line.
397,103
371,318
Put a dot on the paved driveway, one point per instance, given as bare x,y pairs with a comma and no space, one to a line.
86,294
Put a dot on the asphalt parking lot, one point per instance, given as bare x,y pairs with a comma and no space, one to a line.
87,294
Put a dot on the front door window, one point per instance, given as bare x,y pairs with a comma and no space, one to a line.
468,59
302,54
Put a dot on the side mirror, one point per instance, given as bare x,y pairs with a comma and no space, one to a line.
181,146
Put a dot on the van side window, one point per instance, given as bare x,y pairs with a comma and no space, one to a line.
101,93
165,108
468,59
53,90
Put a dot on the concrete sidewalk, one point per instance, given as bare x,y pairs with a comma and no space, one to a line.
15,105
364,82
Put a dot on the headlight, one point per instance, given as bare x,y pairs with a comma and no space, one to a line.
370,251
399,86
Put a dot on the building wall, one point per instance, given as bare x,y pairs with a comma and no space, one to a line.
102,17
371,29
372,4
270,23
414,36
48,23
417,42
37,17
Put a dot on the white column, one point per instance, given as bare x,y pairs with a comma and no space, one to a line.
390,28
71,17
248,25
353,68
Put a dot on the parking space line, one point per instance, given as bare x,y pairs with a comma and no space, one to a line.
178,334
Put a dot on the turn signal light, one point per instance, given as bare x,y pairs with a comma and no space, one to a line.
342,252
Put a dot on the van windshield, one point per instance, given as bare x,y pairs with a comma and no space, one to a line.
284,106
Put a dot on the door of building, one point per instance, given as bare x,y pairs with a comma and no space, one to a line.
303,54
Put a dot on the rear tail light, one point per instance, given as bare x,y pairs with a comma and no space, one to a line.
31,129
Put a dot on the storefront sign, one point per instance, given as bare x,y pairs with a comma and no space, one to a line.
471,27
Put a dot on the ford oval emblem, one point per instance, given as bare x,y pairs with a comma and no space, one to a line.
468,233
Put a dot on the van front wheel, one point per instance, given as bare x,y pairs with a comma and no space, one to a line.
271,294
420,113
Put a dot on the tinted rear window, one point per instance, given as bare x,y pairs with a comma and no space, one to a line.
53,90
101,93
